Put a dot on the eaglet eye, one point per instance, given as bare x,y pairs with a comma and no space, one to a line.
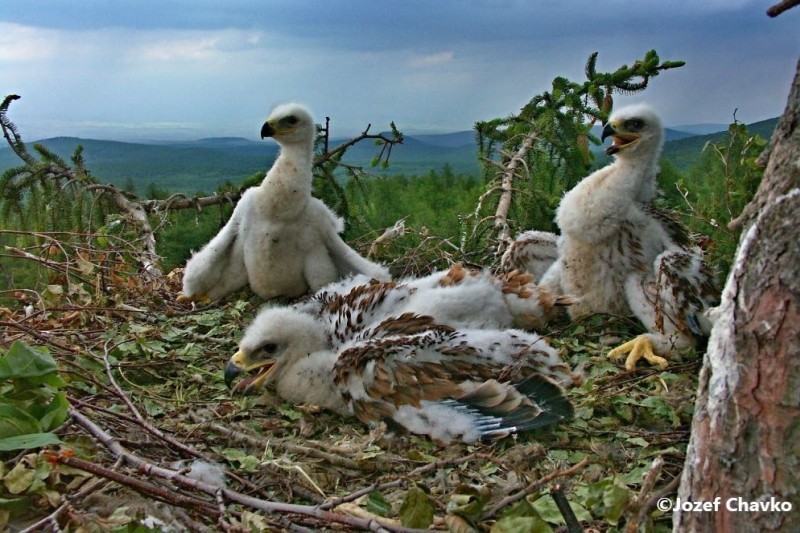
269,348
634,124
291,120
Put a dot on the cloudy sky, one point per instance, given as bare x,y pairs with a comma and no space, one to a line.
197,68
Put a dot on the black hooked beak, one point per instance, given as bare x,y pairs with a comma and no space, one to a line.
267,130
231,373
608,131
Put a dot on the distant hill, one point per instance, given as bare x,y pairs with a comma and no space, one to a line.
420,155
701,129
203,165
683,153
456,139
181,167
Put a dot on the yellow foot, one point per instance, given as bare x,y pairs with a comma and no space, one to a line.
202,299
638,348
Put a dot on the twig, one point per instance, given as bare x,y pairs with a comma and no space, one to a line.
148,257
557,493
138,419
165,495
262,505
331,155
333,459
55,265
39,336
402,481
153,206
636,510
10,130
670,487
782,6
533,486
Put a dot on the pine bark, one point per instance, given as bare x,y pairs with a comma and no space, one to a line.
745,443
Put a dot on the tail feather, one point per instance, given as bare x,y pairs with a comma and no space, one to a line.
500,409
549,397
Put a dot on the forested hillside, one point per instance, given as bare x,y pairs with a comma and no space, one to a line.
194,166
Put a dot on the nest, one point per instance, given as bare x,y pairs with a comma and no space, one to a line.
149,436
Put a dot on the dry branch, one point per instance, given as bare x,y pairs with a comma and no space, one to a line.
148,468
532,487
638,507
506,188
782,6
138,416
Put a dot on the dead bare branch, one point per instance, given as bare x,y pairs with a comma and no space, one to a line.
148,468
506,187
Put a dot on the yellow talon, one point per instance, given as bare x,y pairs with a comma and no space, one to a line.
638,348
202,299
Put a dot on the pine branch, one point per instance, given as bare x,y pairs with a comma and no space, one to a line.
10,130
560,121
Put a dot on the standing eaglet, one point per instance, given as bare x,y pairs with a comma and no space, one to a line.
367,350
620,254
280,239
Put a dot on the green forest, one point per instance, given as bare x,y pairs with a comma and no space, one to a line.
707,179
88,287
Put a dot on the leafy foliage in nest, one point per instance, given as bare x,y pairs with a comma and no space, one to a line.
146,374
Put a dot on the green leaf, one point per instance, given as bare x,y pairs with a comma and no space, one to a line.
28,441
152,408
135,527
521,524
54,413
615,498
638,441
661,408
371,451
52,380
547,509
468,501
635,476
248,463
417,509
377,504
14,421
19,478
15,504
521,518
288,412
22,361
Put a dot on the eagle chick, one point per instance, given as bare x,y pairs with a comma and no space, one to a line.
620,254
279,239
367,350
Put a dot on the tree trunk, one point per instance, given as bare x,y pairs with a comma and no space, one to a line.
745,445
